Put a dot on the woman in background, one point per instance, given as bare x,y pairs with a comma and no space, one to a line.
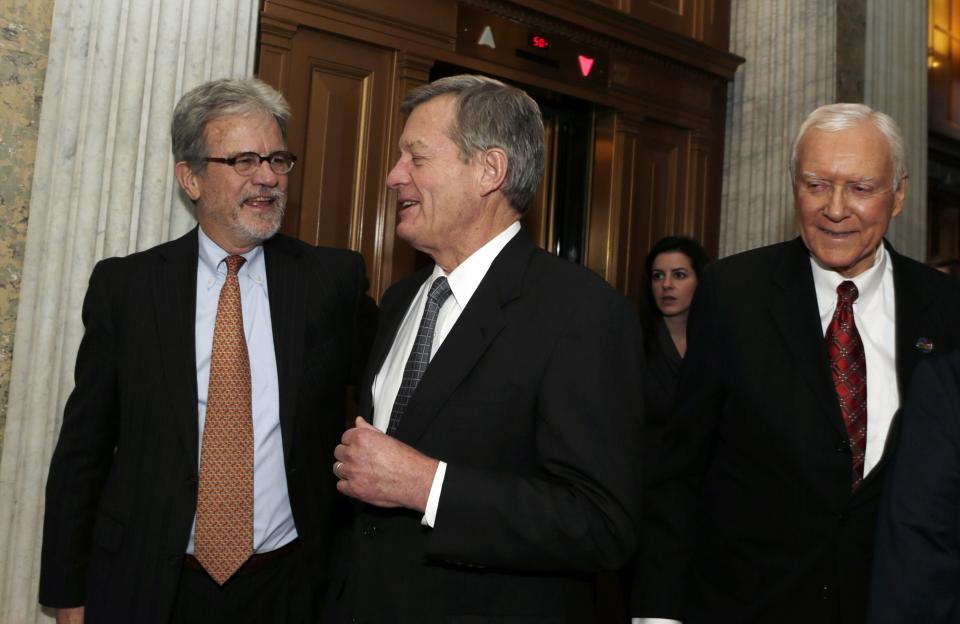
672,268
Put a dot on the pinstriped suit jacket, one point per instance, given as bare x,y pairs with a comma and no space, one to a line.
122,488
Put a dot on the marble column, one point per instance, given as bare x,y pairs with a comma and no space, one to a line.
800,55
895,82
102,186
790,69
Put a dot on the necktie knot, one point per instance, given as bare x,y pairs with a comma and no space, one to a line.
234,263
439,291
847,292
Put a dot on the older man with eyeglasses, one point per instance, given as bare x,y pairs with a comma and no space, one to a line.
190,480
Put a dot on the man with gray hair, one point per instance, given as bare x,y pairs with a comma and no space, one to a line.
189,482
496,462
763,506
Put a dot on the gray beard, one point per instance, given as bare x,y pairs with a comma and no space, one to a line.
266,225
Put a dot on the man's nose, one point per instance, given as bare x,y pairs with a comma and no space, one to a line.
398,176
836,208
264,175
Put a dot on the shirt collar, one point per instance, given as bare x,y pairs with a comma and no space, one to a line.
465,279
212,258
868,282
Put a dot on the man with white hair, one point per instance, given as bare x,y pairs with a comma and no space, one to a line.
764,504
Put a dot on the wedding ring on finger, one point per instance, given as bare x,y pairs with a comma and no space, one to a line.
336,470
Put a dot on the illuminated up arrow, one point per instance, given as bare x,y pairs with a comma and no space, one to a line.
486,38
586,64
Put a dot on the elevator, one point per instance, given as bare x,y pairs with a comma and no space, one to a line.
632,94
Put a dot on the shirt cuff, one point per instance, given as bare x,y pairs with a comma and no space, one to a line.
639,620
433,500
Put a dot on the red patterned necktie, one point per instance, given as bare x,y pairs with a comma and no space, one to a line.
224,534
848,365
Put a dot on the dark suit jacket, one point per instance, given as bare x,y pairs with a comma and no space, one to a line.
916,573
751,518
660,376
122,488
533,401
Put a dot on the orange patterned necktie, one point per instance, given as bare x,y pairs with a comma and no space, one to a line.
224,534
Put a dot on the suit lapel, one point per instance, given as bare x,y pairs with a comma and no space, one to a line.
287,290
797,318
175,306
913,324
477,327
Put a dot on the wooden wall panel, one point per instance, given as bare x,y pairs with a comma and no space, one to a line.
341,93
643,175
604,210
702,20
660,166
714,23
620,5
673,15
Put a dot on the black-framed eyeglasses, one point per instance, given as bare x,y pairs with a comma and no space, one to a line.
248,162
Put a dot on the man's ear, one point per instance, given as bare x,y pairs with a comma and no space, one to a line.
493,163
899,196
189,180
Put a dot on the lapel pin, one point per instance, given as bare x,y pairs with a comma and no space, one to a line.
924,345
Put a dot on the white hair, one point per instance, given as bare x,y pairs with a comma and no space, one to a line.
837,117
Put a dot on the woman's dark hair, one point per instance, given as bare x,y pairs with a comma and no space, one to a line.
650,314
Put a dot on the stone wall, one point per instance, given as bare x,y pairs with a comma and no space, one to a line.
24,40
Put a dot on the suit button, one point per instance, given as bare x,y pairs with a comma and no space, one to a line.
369,530
843,446
825,592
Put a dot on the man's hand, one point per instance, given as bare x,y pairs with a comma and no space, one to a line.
378,469
73,615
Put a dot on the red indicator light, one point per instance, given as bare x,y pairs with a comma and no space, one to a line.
537,41
586,64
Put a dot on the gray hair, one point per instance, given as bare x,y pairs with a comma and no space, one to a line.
491,114
215,99
837,117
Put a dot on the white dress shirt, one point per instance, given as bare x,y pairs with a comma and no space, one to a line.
272,518
463,281
874,313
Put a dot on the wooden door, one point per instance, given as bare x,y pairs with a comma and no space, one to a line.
341,94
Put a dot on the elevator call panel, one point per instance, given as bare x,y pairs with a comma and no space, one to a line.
513,44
